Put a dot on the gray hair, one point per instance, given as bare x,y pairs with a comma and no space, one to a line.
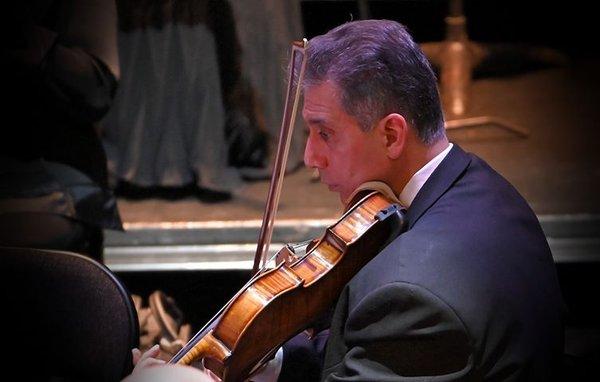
379,70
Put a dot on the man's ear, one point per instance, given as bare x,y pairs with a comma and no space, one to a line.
393,129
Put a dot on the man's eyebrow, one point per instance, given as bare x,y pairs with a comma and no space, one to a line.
316,120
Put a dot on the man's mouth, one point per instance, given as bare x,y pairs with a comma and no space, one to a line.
330,186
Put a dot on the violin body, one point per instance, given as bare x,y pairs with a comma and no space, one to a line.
283,301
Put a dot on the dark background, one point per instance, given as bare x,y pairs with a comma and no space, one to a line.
568,26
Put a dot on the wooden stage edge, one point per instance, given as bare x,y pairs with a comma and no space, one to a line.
230,245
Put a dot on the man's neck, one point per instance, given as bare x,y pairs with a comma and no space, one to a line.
415,157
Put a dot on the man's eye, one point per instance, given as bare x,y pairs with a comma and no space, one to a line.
324,135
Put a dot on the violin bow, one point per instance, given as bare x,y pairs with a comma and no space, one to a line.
296,66
295,75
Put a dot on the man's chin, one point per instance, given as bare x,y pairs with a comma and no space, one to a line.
341,194
344,198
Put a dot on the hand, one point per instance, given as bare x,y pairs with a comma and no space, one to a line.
169,373
148,359
145,369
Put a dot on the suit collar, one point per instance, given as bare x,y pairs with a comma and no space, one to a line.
438,183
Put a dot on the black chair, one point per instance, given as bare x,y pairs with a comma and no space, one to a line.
65,317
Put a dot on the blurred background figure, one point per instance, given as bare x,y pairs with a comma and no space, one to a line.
184,117
267,29
60,73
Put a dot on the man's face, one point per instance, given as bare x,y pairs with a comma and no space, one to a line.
344,155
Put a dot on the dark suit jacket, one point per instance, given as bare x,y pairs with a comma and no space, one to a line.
468,292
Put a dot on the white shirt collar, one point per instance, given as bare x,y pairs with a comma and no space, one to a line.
417,181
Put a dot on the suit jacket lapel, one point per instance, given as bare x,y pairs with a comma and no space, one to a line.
438,183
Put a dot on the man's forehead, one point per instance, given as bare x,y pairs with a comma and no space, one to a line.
328,83
317,113
320,99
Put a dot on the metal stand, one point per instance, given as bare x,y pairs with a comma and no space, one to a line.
457,56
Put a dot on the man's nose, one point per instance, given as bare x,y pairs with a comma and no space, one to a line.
312,155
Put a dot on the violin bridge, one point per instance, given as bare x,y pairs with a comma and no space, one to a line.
285,255
292,252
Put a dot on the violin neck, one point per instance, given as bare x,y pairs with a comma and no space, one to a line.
194,340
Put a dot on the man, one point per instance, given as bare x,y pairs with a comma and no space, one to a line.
469,291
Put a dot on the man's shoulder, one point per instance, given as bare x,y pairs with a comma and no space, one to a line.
474,248
481,224
479,193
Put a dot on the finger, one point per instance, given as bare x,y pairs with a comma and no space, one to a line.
153,352
146,363
137,355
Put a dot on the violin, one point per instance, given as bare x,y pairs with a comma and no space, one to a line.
280,302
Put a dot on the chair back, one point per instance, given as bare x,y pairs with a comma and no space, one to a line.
67,317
